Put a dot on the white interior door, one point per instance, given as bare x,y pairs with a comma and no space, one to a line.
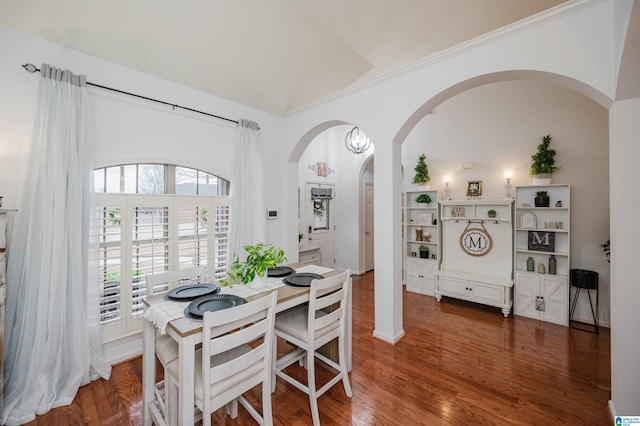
368,227
321,223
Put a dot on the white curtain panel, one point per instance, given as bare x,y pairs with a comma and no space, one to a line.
247,226
51,319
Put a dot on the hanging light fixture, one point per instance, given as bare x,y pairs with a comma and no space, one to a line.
357,141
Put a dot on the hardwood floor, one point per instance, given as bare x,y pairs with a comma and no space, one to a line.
458,364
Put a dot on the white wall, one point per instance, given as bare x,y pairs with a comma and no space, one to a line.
625,289
498,127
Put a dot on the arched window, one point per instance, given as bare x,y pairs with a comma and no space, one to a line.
154,218
158,179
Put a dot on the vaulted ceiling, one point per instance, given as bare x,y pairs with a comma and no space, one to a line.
274,55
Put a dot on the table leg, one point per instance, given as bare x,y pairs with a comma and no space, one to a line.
148,368
186,364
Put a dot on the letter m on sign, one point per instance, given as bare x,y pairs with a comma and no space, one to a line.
542,241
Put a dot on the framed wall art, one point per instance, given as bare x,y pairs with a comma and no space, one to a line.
542,241
474,188
425,217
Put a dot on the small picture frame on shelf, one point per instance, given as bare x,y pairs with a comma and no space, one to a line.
457,211
414,254
474,188
528,220
424,217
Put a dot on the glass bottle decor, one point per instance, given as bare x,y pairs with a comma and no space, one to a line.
541,268
530,264
552,264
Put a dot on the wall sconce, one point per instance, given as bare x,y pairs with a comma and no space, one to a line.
508,187
321,169
447,190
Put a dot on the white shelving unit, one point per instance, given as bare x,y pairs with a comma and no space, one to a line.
420,272
477,252
541,232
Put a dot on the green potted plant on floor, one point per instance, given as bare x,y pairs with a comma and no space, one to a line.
259,259
422,172
543,162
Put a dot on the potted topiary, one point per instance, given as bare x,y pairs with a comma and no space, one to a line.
542,199
424,251
260,258
422,172
492,213
543,162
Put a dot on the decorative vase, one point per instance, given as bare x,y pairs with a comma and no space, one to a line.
541,268
530,264
419,233
552,264
542,179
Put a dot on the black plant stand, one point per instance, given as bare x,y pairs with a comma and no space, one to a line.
582,279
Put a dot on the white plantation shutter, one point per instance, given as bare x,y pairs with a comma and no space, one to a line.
150,247
221,241
153,234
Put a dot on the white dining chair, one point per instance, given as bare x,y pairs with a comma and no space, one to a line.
309,328
235,357
166,348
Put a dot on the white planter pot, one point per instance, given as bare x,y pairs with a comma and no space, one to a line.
258,282
542,179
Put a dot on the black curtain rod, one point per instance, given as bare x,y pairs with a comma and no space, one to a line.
32,68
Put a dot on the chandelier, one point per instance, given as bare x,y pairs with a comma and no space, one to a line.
357,141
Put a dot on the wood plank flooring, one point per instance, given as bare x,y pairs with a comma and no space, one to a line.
458,364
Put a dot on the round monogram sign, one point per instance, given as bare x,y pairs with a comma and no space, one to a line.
476,242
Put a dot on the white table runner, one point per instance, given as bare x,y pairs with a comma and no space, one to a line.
163,313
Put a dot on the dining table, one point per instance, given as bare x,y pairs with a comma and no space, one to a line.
187,332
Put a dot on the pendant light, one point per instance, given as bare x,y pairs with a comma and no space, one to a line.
357,141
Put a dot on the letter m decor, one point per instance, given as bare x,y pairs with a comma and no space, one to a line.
542,241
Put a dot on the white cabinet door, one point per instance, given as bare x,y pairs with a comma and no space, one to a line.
552,290
455,288
526,292
414,275
420,275
555,292
487,293
429,269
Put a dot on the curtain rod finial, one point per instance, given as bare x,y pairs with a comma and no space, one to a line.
31,68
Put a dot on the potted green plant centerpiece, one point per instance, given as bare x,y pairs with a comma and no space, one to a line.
542,199
260,258
424,251
543,162
423,199
492,213
422,172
